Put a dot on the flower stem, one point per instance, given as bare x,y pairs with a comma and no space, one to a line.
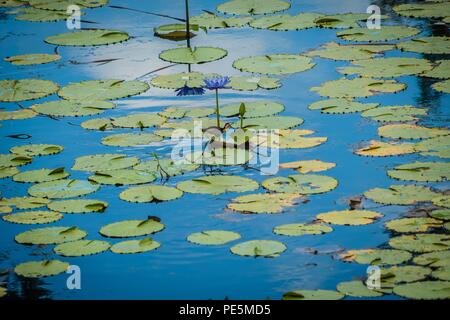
217,108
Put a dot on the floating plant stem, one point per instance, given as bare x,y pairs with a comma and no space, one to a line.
217,108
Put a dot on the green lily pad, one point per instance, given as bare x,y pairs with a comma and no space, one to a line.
349,52
26,89
410,131
442,273
190,125
300,229
386,33
442,201
139,120
5,209
196,55
385,149
251,83
424,290
394,113
72,108
41,175
349,217
150,193
179,80
17,115
135,246
78,206
213,237
275,64
436,144
342,20
263,202
400,274
122,177
131,228
165,167
32,150
443,86
421,171
287,139
356,288
253,7
12,3
272,122
253,109
39,269
60,189
175,31
400,194
41,15
50,235
307,166
130,139
218,184
259,248
313,295
286,22
387,67
99,90
421,243
88,37
178,113
420,224
8,172
301,183
3,291
33,217
104,162
428,45
341,106
25,202
61,5
212,21
32,59
433,259
441,214
102,124
81,248
377,256
358,87
423,10
441,70
13,160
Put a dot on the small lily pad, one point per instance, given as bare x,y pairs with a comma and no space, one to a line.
25,202
139,120
122,177
50,235
259,248
211,21
349,217
273,122
72,108
179,80
165,167
377,256
410,131
219,157
443,86
195,55
41,15
60,189
41,175
32,150
307,166
32,59
349,52
442,273
61,5
356,288
218,184
78,206
104,162
385,149
394,113
17,115
253,7
213,237
150,193
440,71
300,229
424,290
26,89
431,9
275,64
400,194
39,269
178,113
386,33
421,243
253,109
421,171
33,217
288,139
135,246
301,183
131,228
427,45
130,139
88,37
442,201
263,202
313,295
342,20
13,160
101,124
441,214
286,22
433,259
420,224
251,83
341,106
8,172
81,248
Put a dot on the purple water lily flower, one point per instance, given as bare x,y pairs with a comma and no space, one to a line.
217,82
188,91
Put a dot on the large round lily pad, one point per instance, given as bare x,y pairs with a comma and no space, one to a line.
195,55
17,114
253,109
400,194
386,33
165,167
213,237
286,22
38,269
130,139
72,108
104,162
139,120
60,189
88,37
424,290
41,175
377,256
430,9
421,171
428,45
307,166
275,64
61,5
211,21
313,295
410,131
441,70
263,202
443,86
349,217
150,193
78,206
251,83
342,20
421,242
356,288
131,228
218,184
178,113
135,246
50,235
25,202
33,217
41,15
81,248
179,80
273,122
26,89
259,248
433,259
385,149
253,6
301,183
420,224
32,59
99,90
339,106
300,229
349,52
13,160
122,177
394,113
32,150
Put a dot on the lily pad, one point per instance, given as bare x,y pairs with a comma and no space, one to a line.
122,177
253,109
212,21
72,108
387,67
8,172
288,139
99,90
441,214
25,202
78,206
400,274
81,248
218,184
358,87
251,83
440,71
420,224
50,235
101,124
400,194
253,6
195,55
421,171
179,80
176,31
131,228
342,20
219,157
433,259
150,193
377,256
13,160
443,86
213,237
301,183
341,106
313,295
33,217
41,15
428,45
139,120
165,167
357,288
386,33
32,150
349,52
60,189
300,229
385,149
349,217
307,166
32,59
104,162
424,290
39,269
423,10
442,201
130,139
26,89
61,5
12,3
263,202
178,113
88,37
17,115
410,131
273,122
275,64
135,246
394,113
259,248
41,175
286,22
421,243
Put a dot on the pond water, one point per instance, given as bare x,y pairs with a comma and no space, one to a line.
179,269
